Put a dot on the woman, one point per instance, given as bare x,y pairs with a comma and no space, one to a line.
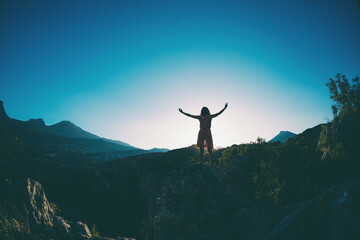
204,137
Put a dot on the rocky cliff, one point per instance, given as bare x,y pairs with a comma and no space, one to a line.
25,213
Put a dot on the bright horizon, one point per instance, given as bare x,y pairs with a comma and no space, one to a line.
122,69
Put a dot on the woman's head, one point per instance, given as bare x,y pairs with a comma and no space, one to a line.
205,111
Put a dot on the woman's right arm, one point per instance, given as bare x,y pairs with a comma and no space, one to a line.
187,114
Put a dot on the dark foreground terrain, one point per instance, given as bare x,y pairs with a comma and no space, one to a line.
305,188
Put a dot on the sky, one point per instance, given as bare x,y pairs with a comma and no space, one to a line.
121,69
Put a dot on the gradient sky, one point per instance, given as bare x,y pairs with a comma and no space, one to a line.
121,69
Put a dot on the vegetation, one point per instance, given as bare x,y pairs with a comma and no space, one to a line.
94,231
13,225
346,95
55,207
278,173
173,227
311,161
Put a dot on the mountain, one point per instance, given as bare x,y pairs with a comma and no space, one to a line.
63,128
282,136
63,141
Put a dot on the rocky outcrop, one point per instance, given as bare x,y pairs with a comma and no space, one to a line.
3,114
29,201
334,214
25,213
190,202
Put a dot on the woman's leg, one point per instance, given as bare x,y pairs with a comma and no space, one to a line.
210,156
201,154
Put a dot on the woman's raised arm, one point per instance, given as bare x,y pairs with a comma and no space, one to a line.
187,114
222,110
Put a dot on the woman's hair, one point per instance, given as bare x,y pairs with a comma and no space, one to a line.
205,112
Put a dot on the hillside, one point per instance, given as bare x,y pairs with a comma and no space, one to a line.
168,195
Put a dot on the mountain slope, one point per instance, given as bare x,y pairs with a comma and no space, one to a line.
68,129
118,142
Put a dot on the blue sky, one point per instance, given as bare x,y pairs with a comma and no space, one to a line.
120,69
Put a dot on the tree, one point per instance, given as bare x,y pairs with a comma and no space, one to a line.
346,95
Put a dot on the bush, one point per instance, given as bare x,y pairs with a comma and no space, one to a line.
55,207
346,95
94,231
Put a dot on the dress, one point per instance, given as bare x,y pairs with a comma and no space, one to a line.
204,137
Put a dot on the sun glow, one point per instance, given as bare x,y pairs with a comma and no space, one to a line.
146,108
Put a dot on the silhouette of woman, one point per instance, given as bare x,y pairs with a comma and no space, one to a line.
204,137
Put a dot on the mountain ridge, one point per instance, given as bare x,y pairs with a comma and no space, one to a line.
63,138
64,128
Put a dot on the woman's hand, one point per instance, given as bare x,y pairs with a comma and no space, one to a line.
180,110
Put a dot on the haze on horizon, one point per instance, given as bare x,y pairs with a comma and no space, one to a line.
121,69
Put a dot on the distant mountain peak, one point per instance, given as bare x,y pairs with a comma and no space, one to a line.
69,129
3,114
282,136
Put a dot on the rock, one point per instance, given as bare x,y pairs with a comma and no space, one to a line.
62,227
81,230
25,213
190,200
39,206
29,198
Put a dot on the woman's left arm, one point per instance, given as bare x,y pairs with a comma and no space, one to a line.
222,110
